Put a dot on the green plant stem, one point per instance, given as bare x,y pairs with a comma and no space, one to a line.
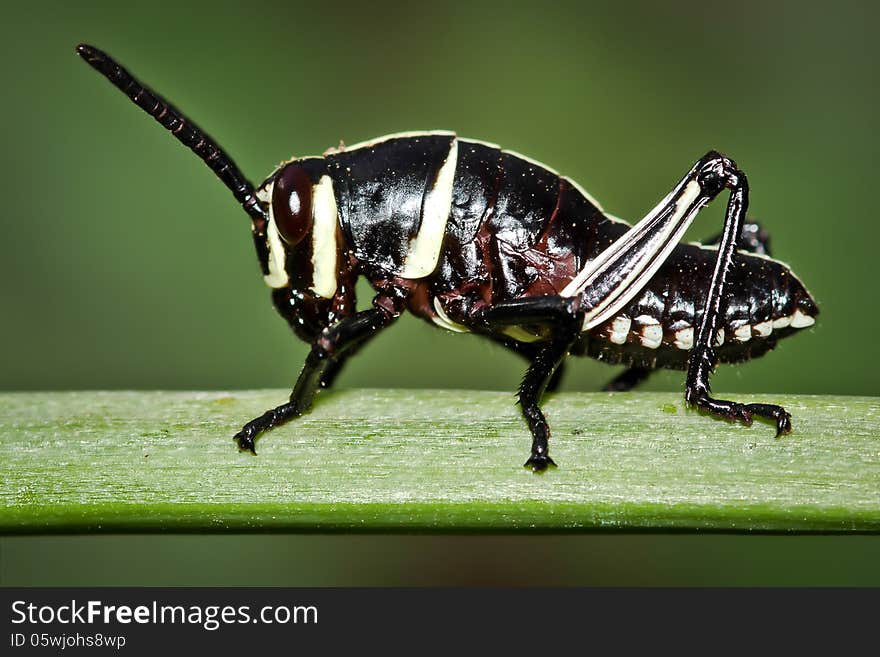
431,460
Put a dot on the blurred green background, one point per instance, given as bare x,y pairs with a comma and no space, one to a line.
125,264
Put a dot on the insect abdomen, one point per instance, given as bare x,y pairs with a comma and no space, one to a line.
765,302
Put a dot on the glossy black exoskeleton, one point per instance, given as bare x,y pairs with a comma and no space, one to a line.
474,238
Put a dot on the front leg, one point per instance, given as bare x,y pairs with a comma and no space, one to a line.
333,369
328,350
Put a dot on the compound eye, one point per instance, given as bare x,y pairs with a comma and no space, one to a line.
292,203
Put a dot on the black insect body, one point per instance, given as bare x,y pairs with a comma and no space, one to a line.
473,238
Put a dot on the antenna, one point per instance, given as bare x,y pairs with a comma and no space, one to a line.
186,132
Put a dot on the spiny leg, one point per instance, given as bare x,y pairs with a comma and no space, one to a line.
556,378
564,317
753,239
607,283
333,369
529,351
329,348
703,358
533,386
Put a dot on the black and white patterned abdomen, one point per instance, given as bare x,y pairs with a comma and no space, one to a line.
764,301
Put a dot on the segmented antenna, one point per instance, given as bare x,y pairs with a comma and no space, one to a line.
186,132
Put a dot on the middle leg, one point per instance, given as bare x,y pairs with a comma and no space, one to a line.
529,351
564,317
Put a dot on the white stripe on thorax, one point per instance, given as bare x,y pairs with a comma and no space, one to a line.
424,248
324,249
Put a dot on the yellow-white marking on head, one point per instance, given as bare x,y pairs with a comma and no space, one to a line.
324,249
277,276
264,194
424,249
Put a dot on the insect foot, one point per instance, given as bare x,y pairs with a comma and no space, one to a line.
245,439
539,462
744,412
773,412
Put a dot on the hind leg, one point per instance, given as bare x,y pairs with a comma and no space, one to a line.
754,239
703,359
